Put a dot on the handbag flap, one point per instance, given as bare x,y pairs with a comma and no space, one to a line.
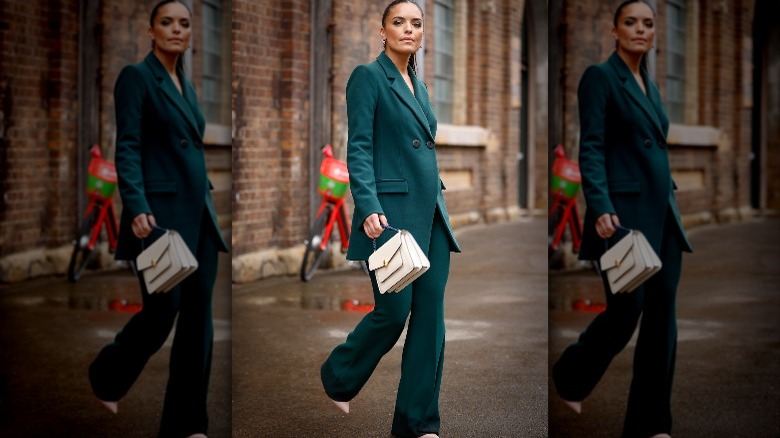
152,255
381,257
393,265
186,262
616,257
418,259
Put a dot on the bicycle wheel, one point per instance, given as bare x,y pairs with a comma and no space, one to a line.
82,253
314,253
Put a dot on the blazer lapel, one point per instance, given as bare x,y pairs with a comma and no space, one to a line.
634,92
171,93
401,90
421,94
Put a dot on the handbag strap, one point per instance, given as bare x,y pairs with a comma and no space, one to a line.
385,227
606,241
154,227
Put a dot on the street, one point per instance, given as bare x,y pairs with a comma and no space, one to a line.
51,330
727,378
495,366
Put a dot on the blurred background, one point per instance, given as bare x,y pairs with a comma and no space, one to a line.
59,61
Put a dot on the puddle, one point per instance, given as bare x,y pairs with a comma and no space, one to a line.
347,296
457,330
222,332
687,330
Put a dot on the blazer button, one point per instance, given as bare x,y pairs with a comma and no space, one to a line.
184,143
416,143
430,144
648,143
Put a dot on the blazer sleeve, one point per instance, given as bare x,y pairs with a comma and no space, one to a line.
362,95
592,96
129,94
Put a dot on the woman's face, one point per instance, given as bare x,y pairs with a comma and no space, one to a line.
635,29
403,29
171,30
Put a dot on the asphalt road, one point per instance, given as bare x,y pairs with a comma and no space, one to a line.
727,379
51,330
495,369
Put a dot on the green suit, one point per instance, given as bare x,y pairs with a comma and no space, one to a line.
625,171
161,169
391,156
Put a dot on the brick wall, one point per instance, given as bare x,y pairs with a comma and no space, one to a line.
270,77
38,61
723,103
272,110
39,44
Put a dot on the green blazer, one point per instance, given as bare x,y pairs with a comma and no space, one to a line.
159,157
391,156
623,157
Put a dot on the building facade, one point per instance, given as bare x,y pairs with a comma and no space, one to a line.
485,65
58,64
716,64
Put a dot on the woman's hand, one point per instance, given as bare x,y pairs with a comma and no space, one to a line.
373,225
142,225
604,225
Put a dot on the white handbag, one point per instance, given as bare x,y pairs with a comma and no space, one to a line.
629,262
166,262
398,262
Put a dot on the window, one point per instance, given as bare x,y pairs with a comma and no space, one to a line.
443,77
215,93
675,60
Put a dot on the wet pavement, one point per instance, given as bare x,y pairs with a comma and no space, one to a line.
495,369
51,330
727,380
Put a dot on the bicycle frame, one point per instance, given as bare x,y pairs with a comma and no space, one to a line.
105,214
338,205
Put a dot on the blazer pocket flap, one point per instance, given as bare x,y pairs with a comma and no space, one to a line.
624,186
160,186
392,186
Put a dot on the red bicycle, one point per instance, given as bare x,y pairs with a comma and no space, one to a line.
334,181
101,185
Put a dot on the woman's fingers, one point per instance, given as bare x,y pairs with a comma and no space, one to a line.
141,227
604,225
373,226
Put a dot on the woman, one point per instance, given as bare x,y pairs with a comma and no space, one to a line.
627,181
163,183
394,179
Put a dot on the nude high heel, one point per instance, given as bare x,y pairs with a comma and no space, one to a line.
575,406
344,406
111,406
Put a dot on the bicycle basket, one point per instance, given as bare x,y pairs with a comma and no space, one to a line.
101,180
566,179
334,178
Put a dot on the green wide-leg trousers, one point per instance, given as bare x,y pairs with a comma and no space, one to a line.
583,363
350,364
119,364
